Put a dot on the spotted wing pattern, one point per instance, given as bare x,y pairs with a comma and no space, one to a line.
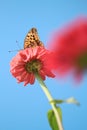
32,39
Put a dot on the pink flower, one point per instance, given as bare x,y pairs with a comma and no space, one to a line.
70,48
30,61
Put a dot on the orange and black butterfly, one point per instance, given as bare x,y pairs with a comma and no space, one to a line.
32,39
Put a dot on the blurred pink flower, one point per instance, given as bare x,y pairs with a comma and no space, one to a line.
30,61
70,49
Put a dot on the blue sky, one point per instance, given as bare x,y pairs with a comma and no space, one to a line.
25,108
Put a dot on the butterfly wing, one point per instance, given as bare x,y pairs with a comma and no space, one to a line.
32,39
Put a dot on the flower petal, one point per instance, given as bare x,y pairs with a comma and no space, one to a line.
18,63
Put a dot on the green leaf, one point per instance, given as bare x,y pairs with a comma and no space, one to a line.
57,101
72,100
69,101
52,119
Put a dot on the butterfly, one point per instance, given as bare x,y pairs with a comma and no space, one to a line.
32,39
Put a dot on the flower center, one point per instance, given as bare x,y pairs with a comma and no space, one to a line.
33,66
82,61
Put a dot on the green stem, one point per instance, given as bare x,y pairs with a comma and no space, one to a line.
49,97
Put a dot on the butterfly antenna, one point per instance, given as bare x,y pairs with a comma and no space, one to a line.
14,50
18,45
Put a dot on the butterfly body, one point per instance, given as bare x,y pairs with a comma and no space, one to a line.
32,39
